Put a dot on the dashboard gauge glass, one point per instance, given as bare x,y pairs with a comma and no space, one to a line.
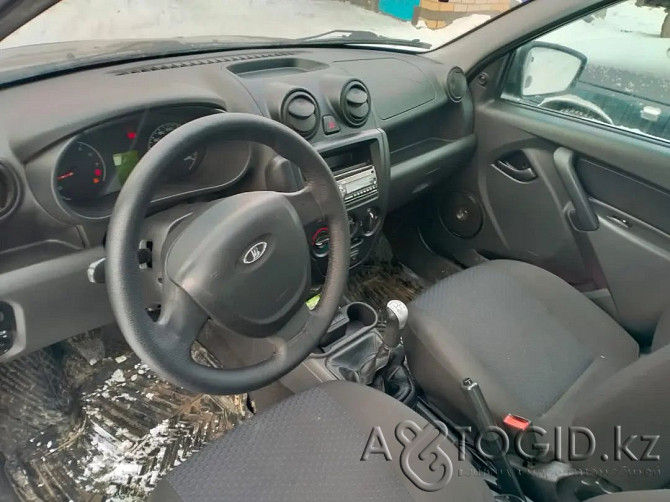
82,173
181,168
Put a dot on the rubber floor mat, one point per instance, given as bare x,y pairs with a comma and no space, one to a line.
380,281
132,429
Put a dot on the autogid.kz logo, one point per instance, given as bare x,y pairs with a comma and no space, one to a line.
422,451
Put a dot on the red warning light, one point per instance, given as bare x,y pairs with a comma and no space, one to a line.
131,135
98,172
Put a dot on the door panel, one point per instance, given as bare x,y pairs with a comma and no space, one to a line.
635,259
624,262
633,196
572,167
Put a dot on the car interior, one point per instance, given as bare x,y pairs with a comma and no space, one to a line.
245,274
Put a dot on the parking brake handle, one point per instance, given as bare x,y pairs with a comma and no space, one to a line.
490,440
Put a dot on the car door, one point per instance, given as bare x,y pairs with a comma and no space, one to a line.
572,168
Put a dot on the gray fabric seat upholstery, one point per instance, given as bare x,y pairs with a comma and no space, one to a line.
641,496
309,447
529,339
542,350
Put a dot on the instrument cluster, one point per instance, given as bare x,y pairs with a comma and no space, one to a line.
98,161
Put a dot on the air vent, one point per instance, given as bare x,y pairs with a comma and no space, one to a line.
456,85
355,103
301,113
9,191
199,62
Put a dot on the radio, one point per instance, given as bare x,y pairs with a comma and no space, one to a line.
357,183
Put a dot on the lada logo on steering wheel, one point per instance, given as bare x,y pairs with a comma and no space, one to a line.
255,252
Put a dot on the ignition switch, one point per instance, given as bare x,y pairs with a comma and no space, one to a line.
321,242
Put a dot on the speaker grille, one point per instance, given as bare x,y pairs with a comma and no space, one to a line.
456,85
461,214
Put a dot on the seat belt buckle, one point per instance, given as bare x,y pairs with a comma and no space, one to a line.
517,425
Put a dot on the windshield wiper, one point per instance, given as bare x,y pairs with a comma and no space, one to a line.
361,37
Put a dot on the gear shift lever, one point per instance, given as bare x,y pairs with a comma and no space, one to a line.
396,319
396,314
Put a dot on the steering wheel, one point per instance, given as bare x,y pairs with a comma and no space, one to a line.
242,262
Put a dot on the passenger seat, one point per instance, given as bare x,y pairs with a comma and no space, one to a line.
541,350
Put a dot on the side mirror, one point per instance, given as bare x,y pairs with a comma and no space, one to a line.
549,69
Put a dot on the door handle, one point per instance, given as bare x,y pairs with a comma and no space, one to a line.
584,217
524,174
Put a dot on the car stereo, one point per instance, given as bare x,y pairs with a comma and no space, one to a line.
357,183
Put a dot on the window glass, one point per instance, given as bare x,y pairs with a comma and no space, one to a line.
612,67
431,22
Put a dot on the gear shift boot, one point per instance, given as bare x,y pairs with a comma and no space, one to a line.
346,362
377,360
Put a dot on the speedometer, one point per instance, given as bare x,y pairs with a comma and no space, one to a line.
188,164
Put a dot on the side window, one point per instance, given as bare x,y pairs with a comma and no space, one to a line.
612,67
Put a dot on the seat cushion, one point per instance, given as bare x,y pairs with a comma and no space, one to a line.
526,336
638,496
310,447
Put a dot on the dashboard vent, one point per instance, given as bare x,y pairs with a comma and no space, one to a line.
456,85
355,103
205,61
9,191
301,113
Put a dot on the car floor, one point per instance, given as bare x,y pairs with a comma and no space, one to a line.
385,276
121,429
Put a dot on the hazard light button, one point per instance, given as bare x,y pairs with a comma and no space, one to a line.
330,125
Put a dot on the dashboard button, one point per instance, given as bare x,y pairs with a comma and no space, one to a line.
330,125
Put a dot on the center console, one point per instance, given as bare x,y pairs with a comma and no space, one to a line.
360,165
356,350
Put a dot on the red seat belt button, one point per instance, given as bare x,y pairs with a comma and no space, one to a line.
516,422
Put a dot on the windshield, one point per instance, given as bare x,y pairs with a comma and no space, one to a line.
416,24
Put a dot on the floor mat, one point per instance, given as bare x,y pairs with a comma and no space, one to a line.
132,429
380,281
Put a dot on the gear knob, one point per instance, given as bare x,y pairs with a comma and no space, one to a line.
399,310
396,315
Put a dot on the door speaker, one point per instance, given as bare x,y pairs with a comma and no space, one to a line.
462,214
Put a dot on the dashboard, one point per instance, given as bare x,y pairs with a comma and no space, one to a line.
66,151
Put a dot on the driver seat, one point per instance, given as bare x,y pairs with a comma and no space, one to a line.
310,447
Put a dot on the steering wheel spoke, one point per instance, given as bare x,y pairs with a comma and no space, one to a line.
305,204
181,319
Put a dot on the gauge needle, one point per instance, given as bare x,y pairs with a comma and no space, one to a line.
66,175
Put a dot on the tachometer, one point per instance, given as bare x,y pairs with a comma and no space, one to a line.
183,167
81,173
